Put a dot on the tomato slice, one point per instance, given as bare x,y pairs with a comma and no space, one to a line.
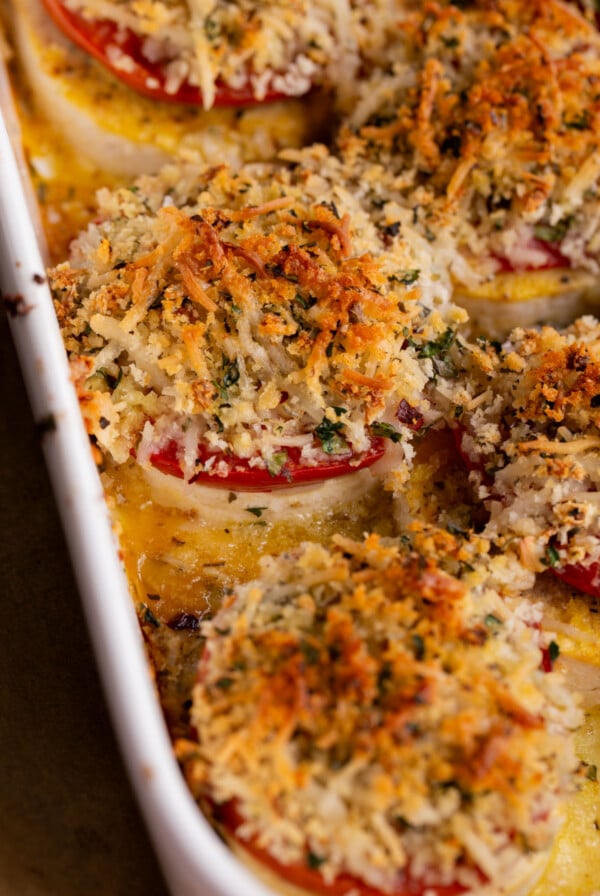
553,257
107,42
308,877
242,476
584,578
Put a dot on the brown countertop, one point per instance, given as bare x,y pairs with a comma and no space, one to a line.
69,824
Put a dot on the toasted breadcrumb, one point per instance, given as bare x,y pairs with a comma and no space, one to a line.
284,47
529,423
485,125
253,312
336,706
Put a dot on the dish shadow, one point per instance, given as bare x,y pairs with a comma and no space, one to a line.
69,822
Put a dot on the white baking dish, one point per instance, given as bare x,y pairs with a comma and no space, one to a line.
195,861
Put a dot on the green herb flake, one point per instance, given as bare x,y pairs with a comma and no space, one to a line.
492,621
310,653
437,347
552,556
328,433
410,277
301,301
313,860
111,381
591,772
552,233
231,373
255,511
224,683
212,29
418,645
385,431
580,122
454,529
406,278
276,462
553,651
149,617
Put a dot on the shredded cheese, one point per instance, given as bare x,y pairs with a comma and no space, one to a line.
536,444
335,704
482,121
250,312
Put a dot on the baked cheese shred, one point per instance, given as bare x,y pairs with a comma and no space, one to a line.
283,48
365,705
253,312
482,122
527,413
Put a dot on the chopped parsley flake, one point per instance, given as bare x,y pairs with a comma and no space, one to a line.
328,433
385,431
552,556
256,511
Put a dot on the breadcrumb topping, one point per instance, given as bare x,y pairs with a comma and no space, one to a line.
486,124
529,418
255,313
284,47
336,705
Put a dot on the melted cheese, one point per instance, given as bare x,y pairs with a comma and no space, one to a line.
517,286
187,549
574,866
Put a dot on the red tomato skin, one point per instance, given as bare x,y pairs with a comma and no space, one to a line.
473,466
144,77
554,258
243,477
584,578
309,879
546,664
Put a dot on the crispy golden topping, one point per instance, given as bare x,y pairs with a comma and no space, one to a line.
336,704
560,386
487,125
529,416
284,47
254,313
